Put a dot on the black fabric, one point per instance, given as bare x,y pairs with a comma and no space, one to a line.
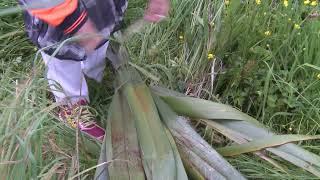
102,14
72,18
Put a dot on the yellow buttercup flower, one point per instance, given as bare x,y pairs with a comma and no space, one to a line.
181,37
318,76
226,2
313,3
267,33
289,19
306,2
297,26
286,3
210,56
258,2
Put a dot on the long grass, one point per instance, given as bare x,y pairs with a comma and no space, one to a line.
272,76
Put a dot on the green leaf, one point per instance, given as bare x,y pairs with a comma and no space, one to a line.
239,138
311,66
157,154
289,152
260,51
198,18
201,109
180,171
298,161
303,154
145,72
121,146
257,145
197,153
13,33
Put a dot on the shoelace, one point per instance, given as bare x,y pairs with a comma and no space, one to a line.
85,117
81,114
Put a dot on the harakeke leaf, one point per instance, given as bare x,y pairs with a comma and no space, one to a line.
289,152
156,151
257,145
180,170
240,139
239,123
196,152
121,148
201,109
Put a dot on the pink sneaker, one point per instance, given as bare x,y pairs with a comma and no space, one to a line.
79,112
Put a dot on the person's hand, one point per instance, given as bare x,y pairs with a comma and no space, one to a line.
91,39
157,10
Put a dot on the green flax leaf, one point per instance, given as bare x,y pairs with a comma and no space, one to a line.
257,145
201,109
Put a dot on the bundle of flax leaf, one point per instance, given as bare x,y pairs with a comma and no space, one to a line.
148,135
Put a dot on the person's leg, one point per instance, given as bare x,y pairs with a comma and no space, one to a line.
66,80
94,65
68,84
